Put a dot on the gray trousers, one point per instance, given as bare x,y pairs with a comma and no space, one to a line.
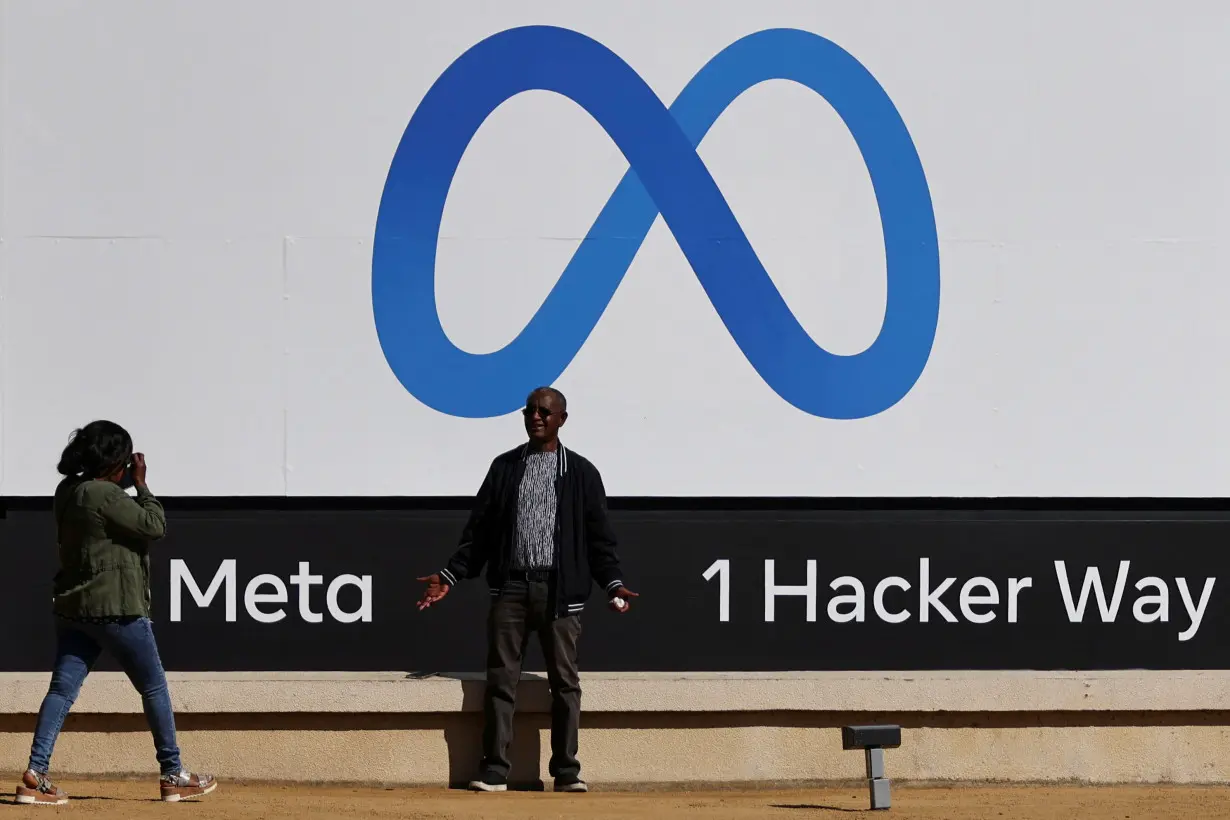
521,609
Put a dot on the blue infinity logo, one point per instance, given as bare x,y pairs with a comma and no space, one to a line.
667,177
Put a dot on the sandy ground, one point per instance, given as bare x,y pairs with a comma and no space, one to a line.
128,799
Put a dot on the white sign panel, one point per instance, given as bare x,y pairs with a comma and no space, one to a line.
788,248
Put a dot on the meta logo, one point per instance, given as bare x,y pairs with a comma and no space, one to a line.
265,596
667,177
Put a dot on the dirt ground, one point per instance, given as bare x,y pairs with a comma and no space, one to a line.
129,799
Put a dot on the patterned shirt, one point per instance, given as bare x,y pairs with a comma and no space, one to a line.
536,503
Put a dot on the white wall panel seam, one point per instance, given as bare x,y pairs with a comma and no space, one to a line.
4,273
284,339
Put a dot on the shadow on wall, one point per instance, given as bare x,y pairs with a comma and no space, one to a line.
465,752
464,737
467,728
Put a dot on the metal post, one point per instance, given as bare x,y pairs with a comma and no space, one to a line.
877,783
873,740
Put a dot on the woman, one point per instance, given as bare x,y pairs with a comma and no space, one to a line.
102,601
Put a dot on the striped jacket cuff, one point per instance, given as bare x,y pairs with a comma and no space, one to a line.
614,585
449,578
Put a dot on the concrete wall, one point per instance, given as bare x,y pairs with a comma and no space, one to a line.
645,728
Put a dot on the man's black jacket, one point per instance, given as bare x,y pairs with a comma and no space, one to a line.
584,540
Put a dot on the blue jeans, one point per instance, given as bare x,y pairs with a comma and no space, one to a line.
78,645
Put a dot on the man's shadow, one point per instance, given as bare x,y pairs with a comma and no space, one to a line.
463,732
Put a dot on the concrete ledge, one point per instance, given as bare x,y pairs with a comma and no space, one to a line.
878,692
644,748
1103,727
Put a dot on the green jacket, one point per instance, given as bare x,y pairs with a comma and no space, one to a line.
104,536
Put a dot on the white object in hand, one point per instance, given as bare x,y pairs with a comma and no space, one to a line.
620,603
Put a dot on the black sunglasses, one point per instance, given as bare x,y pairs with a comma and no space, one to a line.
541,412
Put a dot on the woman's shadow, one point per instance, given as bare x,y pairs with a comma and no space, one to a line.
9,800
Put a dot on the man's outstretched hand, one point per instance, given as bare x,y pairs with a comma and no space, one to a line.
436,590
627,595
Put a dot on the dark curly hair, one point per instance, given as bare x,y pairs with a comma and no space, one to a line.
96,450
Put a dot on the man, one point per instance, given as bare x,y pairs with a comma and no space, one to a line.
539,524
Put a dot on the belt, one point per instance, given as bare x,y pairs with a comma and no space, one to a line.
531,574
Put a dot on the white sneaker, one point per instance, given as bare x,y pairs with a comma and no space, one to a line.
489,783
